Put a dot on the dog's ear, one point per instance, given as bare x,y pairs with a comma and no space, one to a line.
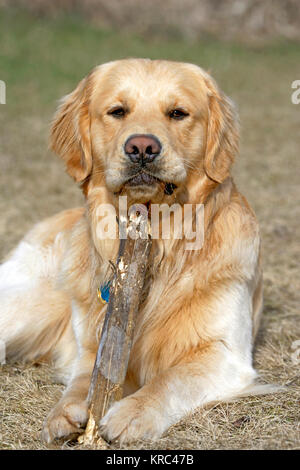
70,132
222,134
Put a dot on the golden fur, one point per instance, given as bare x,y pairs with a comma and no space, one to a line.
196,326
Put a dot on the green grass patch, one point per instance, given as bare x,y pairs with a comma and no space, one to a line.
42,59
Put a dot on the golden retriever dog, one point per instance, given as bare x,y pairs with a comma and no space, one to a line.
157,132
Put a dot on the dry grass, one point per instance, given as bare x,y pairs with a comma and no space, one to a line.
33,186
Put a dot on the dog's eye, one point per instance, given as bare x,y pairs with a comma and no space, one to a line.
117,112
178,114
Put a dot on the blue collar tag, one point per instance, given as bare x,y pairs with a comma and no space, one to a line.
103,293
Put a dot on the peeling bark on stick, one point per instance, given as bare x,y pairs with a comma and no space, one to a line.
117,333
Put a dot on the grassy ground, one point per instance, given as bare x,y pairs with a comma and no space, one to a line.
40,61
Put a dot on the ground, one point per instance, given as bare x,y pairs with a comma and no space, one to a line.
43,60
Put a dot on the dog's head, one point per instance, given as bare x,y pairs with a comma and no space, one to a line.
147,129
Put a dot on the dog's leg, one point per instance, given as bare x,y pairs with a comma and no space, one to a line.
71,412
212,376
218,371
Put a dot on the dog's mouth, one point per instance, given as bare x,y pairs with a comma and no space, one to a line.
141,179
146,179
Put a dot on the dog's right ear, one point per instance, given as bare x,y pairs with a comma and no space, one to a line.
70,132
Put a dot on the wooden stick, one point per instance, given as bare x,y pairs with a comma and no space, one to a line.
117,333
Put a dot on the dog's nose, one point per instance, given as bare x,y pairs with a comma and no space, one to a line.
142,148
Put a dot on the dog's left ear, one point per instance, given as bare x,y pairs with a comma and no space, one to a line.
222,134
70,132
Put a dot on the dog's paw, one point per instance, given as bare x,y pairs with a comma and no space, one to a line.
65,419
132,418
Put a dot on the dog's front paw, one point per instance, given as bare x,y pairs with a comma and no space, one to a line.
65,419
133,418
